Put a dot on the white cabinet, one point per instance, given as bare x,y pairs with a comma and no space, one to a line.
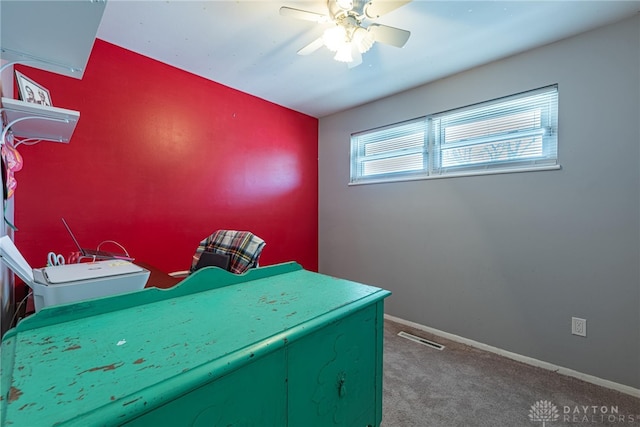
52,35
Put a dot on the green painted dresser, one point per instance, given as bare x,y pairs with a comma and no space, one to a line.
277,346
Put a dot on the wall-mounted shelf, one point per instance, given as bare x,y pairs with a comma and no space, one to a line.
53,35
29,120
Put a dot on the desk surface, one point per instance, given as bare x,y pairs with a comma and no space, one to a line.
158,278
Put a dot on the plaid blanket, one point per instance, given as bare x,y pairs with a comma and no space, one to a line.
243,248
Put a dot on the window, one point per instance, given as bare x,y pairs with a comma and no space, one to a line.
505,135
396,150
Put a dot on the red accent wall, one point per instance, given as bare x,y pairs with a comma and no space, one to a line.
160,159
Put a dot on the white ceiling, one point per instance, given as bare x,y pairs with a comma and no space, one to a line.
249,46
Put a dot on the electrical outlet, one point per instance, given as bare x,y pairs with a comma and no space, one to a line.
579,326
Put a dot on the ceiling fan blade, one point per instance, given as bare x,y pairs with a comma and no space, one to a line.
389,35
311,47
376,8
303,14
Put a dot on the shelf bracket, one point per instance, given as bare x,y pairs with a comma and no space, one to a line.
8,126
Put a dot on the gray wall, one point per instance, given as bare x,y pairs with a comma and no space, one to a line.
507,260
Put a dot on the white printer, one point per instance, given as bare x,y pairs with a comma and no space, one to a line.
76,282
67,283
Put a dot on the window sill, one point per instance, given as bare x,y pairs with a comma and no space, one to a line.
457,175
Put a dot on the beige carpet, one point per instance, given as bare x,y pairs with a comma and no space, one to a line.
463,386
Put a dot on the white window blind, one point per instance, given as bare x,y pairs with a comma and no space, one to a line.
507,134
510,132
394,150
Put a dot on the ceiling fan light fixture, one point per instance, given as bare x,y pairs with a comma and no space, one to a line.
363,39
334,38
344,53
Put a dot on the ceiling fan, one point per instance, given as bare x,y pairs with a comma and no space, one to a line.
347,36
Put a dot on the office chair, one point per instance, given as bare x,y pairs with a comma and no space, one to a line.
242,247
213,259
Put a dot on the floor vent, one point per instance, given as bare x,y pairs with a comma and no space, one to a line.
420,340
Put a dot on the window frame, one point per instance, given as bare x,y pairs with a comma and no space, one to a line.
522,109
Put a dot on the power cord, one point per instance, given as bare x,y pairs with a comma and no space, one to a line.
6,220
115,243
19,307
27,141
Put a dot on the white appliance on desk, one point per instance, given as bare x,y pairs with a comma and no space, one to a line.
68,283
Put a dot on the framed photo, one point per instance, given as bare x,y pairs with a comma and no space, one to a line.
31,91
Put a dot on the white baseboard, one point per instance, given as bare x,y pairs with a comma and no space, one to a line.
520,358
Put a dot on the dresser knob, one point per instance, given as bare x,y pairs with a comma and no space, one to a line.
342,387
